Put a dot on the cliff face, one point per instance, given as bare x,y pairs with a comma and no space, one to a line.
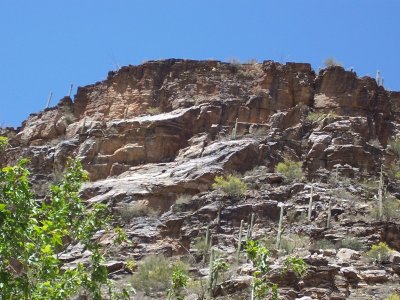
133,156
108,127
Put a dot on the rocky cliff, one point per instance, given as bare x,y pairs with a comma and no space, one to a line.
149,134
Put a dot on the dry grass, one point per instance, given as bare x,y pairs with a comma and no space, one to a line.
323,244
135,209
293,242
183,199
390,211
153,110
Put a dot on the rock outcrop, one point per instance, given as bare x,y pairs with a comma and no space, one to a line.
149,134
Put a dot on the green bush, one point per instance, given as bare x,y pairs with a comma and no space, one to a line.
230,185
154,274
395,146
33,234
260,257
3,143
290,169
178,284
379,253
351,242
296,265
393,297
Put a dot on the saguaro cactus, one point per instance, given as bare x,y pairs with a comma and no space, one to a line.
49,100
239,241
337,174
208,243
234,131
310,202
279,235
378,77
125,113
70,90
211,274
328,221
251,225
380,195
219,216
83,125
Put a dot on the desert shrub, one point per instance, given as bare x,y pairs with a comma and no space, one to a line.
315,116
183,199
330,61
258,131
198,287
343,195
294,216
393,172
3,143
181,202
390,210
153,110
292,242
131,264
370,188
351,242
379,253
323,244
154,274
201,245
296,265
230,185
290,169
395,146
393,297
375,142
332,114
139,208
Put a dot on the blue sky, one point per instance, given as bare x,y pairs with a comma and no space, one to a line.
48,44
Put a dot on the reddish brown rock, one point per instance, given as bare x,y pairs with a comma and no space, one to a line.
211,118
